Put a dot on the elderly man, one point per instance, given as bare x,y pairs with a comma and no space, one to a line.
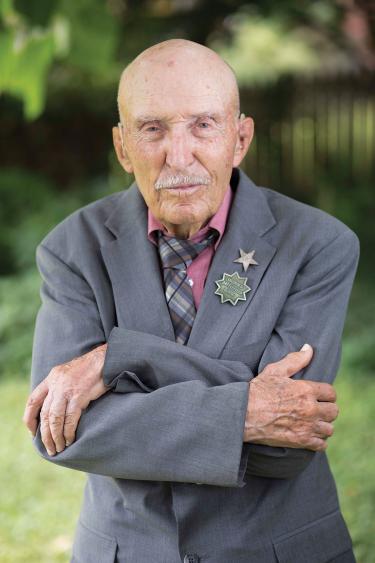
173,318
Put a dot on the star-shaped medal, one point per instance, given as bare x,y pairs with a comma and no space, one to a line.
232,288
246,259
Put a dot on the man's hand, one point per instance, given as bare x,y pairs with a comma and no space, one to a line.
290,413
61,397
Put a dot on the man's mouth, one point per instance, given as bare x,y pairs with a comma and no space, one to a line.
181,182
182,186
185,188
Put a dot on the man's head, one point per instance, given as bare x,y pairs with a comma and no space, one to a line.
181,132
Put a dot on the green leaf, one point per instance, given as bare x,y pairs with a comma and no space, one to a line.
6,8
24,60
94,35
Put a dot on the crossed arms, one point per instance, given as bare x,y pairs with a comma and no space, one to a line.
174,414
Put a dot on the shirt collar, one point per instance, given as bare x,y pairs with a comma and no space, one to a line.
217,222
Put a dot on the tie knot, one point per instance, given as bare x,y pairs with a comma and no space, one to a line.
179,253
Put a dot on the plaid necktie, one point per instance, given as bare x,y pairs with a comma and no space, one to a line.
176,256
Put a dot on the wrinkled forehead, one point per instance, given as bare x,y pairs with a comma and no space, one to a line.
172,88
175,108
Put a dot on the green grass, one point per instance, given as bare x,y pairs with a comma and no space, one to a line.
40,501
352,457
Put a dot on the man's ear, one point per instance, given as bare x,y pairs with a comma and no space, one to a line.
244,138
121,152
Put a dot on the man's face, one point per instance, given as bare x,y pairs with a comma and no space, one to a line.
181,140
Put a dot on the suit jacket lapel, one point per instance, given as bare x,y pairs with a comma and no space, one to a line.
133,265
250,218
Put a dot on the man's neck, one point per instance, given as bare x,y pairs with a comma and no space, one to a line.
183,231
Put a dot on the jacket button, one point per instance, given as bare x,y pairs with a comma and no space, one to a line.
191,558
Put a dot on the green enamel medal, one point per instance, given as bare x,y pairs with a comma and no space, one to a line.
232,288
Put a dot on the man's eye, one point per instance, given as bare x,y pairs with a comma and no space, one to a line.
152,129
204,125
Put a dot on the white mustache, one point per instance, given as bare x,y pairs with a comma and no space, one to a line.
180,180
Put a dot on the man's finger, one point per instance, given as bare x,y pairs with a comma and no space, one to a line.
45,431
323,391
328,411
318,445
56,421
324,429
291,364
33,405
72,416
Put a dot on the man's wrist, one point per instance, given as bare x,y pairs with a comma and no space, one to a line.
99,354
250,430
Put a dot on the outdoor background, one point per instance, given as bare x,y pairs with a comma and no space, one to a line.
307,76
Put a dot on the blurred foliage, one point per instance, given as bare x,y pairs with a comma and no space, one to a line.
263,49
19,302
94,34
36,34
86,43
30,207
26,54
359,353
265,45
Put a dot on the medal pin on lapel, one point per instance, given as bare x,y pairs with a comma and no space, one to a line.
232,288
246,259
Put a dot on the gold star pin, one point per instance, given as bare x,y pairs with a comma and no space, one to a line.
246,259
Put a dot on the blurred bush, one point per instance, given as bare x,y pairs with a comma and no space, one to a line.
30,207
35,35
19,302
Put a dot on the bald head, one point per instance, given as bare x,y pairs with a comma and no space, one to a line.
167,66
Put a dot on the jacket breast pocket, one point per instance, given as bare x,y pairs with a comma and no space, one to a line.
318,542
90,545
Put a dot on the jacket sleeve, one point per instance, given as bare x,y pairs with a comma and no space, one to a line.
188,431
323,284
315,311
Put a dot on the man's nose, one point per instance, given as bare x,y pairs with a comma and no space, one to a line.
179,150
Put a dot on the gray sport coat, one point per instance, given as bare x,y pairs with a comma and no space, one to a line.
169,477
